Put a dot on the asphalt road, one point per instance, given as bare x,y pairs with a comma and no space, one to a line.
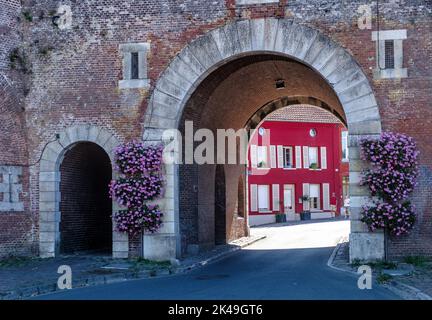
291,263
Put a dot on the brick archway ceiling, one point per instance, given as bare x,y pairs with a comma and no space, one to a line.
246,87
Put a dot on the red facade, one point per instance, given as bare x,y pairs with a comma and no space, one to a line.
291,175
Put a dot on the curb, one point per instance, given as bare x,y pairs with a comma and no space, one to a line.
333,256
33,291
404,291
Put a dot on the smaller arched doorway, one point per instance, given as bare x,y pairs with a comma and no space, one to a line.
85,206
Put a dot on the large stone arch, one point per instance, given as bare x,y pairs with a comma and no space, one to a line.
49,186
280,37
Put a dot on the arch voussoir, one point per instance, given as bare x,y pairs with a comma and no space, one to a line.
206,51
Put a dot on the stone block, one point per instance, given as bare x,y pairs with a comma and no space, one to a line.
206,51
244,35
366,247
369,127
358,226
159,247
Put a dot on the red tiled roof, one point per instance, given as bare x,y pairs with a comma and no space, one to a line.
302,113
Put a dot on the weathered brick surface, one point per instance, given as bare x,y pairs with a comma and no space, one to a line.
74,80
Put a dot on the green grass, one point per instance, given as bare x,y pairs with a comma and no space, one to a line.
356,263
15,261
380,264
417,261
384,278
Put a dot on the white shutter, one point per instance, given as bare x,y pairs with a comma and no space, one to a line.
275,194
323,158
298,157
280,156
305,193
253,155
254,197
306,157
326,196
272,156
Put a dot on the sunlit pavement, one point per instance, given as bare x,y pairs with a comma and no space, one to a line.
291,263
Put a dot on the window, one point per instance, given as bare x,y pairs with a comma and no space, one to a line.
314,196
134,65
288,157
389,54
11,189
312,133
263,198
262,157
134,61
313,157
345,187
344,145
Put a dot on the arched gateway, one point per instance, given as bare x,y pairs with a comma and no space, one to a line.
243,59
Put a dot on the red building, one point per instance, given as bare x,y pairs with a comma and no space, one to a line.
297,151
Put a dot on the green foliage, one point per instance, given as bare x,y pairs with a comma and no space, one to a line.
16,261
356,263
384,278
381,264
19,61
45,50
313,166
417,261
28,16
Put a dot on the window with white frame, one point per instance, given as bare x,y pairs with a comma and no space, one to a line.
389,54
263,198
344,145
288,157
262,161
313,157
134,62
314,196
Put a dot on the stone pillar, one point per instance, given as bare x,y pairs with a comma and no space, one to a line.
364,245
49,220
162,245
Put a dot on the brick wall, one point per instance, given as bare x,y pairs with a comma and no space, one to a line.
74,76
17,234
85,205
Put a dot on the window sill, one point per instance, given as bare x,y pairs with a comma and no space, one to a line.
134,84
390,73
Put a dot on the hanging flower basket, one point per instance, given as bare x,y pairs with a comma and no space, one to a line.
141,181
391,178
133,221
